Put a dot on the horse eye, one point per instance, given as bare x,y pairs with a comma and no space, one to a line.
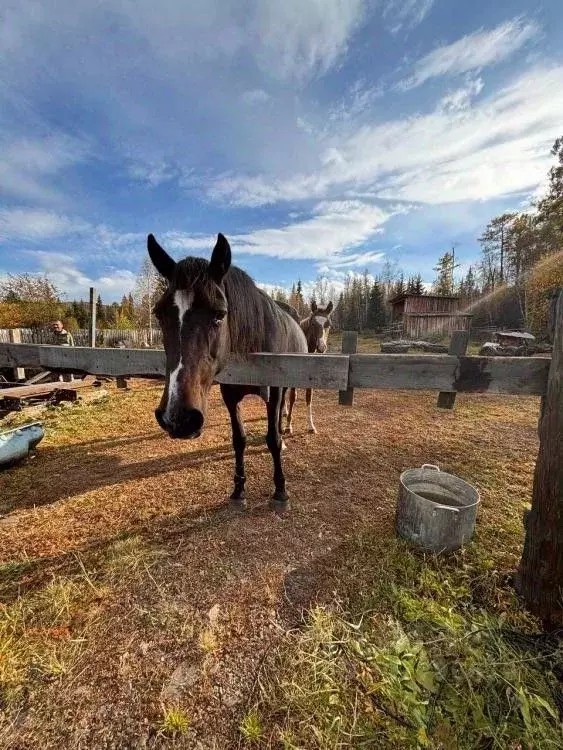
219,317
327,324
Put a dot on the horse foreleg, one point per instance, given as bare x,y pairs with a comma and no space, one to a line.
292,397
232,402
274,443
309,399
280,426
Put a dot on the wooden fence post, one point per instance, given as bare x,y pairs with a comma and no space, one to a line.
540,574
458,347
349,346
92,322
15,337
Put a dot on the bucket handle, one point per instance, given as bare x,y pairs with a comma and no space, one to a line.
436,505
447,507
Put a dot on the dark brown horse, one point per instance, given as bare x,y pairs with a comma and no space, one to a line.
316,329
209,312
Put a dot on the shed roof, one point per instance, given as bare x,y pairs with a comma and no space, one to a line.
401,297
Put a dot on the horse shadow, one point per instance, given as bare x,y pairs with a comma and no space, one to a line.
61,473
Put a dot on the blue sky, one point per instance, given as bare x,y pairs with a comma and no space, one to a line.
321,136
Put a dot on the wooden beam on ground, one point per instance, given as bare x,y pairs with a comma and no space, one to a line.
443,372
349,346
38,378
457,348
15,336
540,575
44,389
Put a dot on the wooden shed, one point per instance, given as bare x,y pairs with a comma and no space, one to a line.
423,314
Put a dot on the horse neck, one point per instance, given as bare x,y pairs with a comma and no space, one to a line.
255,322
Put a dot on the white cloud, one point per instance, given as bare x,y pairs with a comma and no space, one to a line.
357,260
497,147
36,224
405,14
61,268
28,165
333,228
299,39
461,98
255,96
153,173
175,240
473,52
359,99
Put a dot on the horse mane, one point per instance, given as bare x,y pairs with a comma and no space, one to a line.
289,310
256,323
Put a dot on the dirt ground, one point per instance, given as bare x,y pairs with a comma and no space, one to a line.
129,587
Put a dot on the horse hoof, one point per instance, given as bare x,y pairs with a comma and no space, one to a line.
280,502
288,431
283,446
312,430
238,503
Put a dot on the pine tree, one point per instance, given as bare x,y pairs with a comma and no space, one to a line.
418,285
444,283
100,313
376,308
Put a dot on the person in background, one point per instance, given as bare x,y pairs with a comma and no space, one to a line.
62,338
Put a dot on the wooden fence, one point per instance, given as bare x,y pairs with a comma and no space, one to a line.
137,338
441,372
541,569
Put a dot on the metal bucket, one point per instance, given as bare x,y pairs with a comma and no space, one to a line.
435,510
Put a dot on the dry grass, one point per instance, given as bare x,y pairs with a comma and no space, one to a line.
129,586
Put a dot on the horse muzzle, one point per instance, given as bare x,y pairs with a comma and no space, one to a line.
186,424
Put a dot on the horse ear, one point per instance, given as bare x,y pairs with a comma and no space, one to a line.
220,259
313,306
329,308
163,263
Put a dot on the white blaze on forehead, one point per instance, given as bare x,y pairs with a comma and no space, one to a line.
321,320
183,301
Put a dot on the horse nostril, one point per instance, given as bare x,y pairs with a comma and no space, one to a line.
193,422
159,414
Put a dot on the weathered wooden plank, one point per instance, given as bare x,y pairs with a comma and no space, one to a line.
526,375
458,347
43,389
319,371
540,575
115,362
326,371
20,355
349,346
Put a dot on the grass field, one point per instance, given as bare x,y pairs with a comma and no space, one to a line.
139,611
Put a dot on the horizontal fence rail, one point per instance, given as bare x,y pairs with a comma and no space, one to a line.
130,338
516,375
